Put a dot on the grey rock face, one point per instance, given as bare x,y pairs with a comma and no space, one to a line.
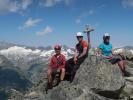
128,90
97,72
96,79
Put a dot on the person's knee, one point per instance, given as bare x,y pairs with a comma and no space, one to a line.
121,64
63,70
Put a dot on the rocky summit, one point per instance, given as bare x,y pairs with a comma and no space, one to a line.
96,79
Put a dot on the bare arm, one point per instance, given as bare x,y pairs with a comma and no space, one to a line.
50,64
76,54
113,53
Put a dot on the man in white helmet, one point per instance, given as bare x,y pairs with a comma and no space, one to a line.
81,47
81,52
106,50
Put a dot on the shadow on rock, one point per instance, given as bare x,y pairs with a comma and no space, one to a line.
109,94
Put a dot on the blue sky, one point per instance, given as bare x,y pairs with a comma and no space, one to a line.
49,22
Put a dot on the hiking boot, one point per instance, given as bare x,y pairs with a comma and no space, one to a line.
72,78
126,74
50,85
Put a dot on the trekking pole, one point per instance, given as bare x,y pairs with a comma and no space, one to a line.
88,30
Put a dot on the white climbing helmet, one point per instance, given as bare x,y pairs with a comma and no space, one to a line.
106,35
79,34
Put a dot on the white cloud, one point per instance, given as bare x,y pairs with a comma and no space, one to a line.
91,12
30,23
127,3
15,6
25,4
51,3
78,21
84,15
47,30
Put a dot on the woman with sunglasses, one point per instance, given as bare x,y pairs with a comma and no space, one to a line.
106,50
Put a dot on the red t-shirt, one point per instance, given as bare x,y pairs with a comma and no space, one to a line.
81,45
57,61
85,44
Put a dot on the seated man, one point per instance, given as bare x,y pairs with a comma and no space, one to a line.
80,55
106,50
57,63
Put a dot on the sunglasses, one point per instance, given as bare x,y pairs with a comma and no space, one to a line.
79,36
57,49
107,37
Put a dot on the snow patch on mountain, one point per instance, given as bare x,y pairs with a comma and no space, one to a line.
131,51
23,51
119,51
15,50
47,53
70,51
